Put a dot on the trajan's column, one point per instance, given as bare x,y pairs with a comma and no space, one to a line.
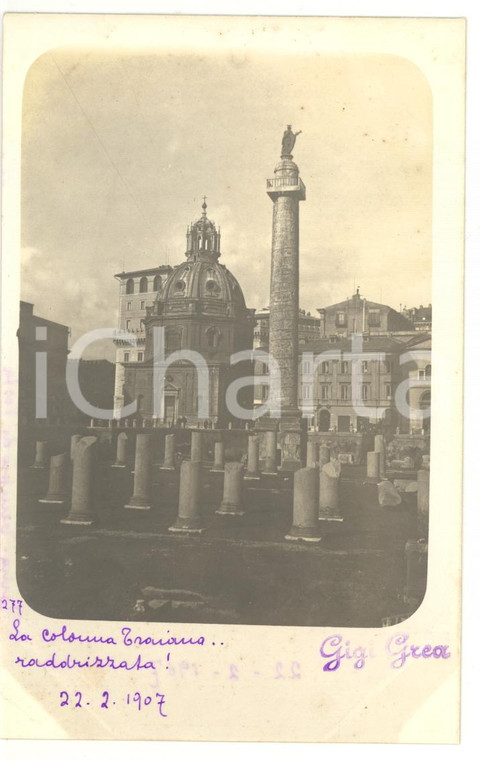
286,190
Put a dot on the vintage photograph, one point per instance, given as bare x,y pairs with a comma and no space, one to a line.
224,337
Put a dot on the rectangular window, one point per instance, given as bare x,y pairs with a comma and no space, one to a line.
127,324
140,356
340,319
325,368
344,368
264,392
142,305
126,356
364,392
388,390
364,367
344,392
129,306
306,392
421,374
306,368
325,389
374,317
388,366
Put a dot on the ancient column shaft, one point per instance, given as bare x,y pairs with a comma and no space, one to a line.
286,190
283,340
82,510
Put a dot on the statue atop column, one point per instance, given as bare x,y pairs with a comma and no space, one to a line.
288,141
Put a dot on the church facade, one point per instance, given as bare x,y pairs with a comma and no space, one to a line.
201,307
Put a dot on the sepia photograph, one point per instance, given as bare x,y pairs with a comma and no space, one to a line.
232,377
225,337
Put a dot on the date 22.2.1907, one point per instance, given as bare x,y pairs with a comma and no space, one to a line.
134,699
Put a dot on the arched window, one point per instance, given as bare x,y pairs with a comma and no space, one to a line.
130,286
157,282
213,337
143,285
428,370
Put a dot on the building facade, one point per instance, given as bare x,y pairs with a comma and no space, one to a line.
358,315
421,316
36,337
200,307
349,393
138,290
333,397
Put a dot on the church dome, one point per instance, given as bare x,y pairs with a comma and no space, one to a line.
201,277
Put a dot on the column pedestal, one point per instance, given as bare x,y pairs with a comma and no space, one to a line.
291,431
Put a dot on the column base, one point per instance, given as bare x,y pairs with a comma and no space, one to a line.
38,467
230,510
193,525
265,472
298,533
217,469
119,466
165,467
330,515
252,476
372,481
78,520
52,499
138,502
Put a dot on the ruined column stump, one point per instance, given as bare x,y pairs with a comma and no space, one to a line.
270,467
82,511
73,444
122,451
373,467
169,456
312,454
142,479
329,508
189,519
196,446
423,502
380,448
323,455
253,472
219,457
305,506
416,553
232,502
57,481
41,455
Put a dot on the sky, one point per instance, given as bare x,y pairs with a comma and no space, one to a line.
118,150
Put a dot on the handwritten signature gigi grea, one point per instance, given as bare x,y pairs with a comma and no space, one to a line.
334,649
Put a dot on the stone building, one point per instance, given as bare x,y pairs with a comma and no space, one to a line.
416,368
341,401
310,328
421,316
96,378
338,404
37,336
201,308
138,290
358,315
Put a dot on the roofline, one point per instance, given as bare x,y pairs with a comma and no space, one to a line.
152,270
367,302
